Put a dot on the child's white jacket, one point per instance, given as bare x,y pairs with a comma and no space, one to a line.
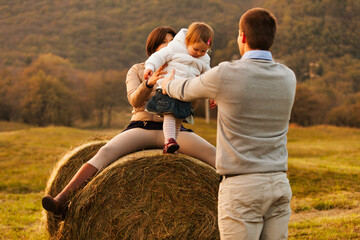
178,58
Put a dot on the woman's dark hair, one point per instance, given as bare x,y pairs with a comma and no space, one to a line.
156,38
259,26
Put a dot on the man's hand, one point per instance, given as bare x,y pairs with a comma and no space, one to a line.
212,103
167,80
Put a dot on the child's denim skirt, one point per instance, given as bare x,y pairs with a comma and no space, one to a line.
161,104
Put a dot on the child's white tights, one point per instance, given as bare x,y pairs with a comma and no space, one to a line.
171,127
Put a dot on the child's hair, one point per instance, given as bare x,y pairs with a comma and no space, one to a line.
200,32
156,38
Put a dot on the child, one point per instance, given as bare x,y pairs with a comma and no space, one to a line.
187,54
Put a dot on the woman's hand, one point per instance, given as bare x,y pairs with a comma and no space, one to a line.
156,76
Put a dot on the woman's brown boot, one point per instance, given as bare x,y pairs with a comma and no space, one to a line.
58,205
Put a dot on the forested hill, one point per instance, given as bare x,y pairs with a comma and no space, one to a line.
111,34
98,34
318,39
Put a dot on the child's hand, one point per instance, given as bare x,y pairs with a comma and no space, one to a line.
212,103
147,73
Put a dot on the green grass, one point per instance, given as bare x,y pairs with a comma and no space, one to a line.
324,168
20,216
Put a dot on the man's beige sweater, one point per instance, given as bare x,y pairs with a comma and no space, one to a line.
254,99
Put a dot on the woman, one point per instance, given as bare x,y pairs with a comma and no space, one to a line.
144,131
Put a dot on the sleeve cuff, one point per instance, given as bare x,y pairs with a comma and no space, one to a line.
150,66
146,84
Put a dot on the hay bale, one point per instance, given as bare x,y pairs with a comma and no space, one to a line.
64,171
146,195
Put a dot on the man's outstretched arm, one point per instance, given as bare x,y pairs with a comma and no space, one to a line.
190,89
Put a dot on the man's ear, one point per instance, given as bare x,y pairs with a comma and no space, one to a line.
243,37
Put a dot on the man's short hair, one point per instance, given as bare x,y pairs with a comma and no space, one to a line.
259,26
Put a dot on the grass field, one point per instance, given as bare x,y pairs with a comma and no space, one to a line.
324,170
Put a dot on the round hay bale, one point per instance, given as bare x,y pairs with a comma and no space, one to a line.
146,195
63,172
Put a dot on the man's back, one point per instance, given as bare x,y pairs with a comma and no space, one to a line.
255,98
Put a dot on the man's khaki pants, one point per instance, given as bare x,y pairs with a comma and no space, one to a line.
254,206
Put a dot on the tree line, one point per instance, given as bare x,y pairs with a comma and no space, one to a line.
51,92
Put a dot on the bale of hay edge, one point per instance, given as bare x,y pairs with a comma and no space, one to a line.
144,195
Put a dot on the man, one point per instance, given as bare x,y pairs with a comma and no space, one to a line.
255,96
